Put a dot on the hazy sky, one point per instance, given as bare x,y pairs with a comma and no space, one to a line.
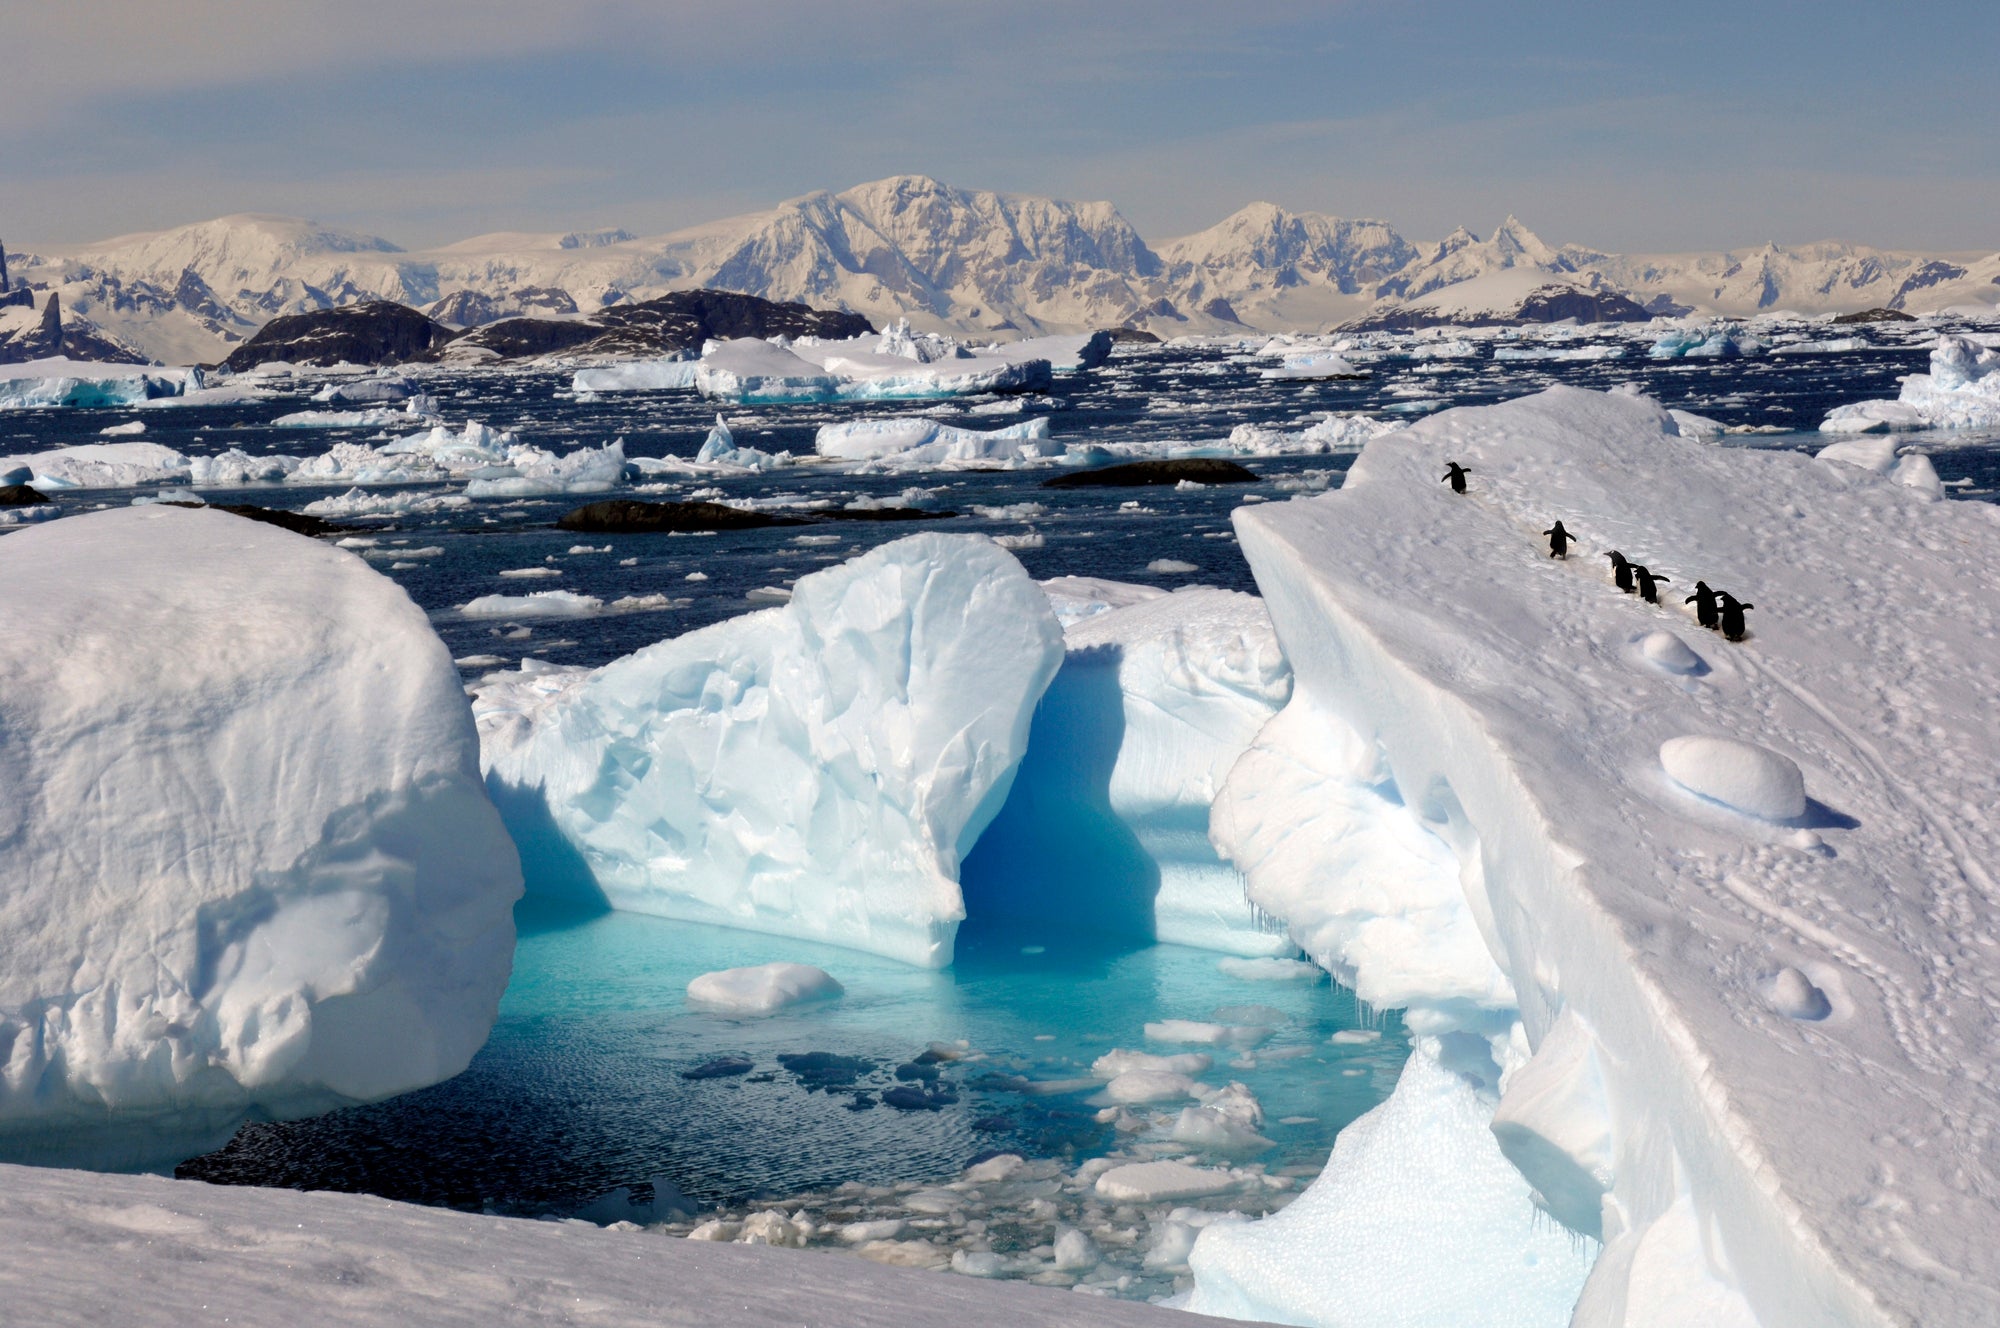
1662,126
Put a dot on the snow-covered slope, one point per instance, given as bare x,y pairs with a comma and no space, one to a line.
1761,1048
948,258
246,862
146,1252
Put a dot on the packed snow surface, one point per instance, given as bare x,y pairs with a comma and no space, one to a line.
816,769
1751,1057
762,988
249,865
155,1253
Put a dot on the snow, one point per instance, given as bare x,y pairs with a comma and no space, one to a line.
1074,598
1417,1221
85,383
80,1243
1107,826
918,443
762,988
1496,756
1736,774
251,869
816,769
1962,391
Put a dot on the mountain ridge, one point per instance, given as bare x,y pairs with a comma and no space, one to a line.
967,261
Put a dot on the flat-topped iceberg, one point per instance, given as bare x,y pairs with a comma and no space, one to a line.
1107,825
249,867
1742,1047
101,466
816,770
87,383
912,441
753,370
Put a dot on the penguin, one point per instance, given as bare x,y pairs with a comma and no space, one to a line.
1559,541
1621,571
1732,615
1454,475
1703,600
1646,580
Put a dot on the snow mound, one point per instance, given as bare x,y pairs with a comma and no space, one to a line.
816,769
1107,825
1737,774
762,988
250,867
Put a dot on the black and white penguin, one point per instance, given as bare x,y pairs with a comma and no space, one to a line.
1703,600
1646,582
1621,571
1454,475
1732,615
1559,541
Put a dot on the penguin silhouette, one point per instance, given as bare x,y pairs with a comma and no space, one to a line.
1703,600
1732,615
1559,541
1621,571
1455,476
1646,581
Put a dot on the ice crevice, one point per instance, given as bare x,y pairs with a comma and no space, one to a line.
1698,1012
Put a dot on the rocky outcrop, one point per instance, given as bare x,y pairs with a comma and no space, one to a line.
673,324
378,332
1874,316
1553,302
1198,470
627,516
11,296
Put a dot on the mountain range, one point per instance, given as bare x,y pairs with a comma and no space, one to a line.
966,261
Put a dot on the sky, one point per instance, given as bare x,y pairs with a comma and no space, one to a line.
1691,125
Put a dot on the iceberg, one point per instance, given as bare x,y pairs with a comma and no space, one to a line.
1705,341
102,466
1731,1052
915,442
1962,391
1107,825
816,769
250,867
637,376
720,449
752,370
40,384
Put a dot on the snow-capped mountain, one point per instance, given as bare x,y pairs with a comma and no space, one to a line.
948,259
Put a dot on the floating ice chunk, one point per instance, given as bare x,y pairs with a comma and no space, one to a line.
234,469
249,865
1114,1063
101,466
1227,1121
1699,427
1416,1220
1915,471
814,770
1191,1030
1270,968
86,384
127,430
1335,433
1075,1251
1962,391
1876,454
368,391
918,442
1737,774
762,988
1705,341
1135,1087
361,503
771,1228
378,418
1006,1166
529,573
637,376
1163,1182
720,449
538,604
860,1233
1319,363
981,1263
1355,1037
1171,566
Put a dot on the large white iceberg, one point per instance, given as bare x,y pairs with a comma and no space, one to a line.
1107,825
913,441
247,865
750,369
1962,391
817,769
1750,1054
101,466
86,383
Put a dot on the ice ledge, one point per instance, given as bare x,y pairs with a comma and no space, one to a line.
1785,1168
